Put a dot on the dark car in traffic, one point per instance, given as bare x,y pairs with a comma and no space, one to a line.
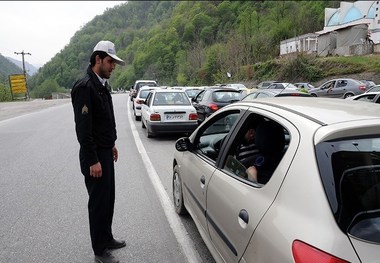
212,99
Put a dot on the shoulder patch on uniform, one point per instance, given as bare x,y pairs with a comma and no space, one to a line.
84,110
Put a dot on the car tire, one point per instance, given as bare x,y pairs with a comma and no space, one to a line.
142,123
148,133
313,94
179,205
137,118
348,95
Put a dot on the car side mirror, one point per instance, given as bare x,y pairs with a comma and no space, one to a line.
183,144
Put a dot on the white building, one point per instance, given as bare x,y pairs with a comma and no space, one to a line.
306,44
345,29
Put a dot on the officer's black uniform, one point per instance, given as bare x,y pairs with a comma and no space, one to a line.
96,132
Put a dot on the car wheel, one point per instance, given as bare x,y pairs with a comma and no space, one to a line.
313,94
142,123
137,118
348,95
148,133
178,193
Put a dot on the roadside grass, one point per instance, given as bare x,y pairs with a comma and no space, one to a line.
349,65
309,69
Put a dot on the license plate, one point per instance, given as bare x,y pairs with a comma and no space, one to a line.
174,117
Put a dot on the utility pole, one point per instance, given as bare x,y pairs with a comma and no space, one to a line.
23,69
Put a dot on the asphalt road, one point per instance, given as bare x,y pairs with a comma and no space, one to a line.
44,201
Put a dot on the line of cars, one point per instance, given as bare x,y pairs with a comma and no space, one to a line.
335,88
164,110
333,217
202,102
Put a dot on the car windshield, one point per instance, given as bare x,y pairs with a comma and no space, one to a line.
144,94
192,92
171,98
226,96
373,89
352,183
150,84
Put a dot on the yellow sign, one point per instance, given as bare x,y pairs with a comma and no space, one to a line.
18,84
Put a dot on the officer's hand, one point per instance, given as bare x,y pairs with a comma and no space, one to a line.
96,170
115,153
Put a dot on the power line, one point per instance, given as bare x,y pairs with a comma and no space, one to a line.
23,68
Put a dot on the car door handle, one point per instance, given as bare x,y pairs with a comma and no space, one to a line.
243,215
203,179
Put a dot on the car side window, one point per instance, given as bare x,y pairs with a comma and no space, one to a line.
367,98
211,139
262,95
200,95
342,83
148,98
257,149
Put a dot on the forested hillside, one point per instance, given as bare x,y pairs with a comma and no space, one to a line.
7,68
184,42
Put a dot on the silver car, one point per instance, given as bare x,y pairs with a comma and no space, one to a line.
339,88
321,201
367,96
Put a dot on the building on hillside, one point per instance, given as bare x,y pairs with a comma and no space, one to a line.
302,44
351,29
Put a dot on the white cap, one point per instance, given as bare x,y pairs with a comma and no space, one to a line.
109,48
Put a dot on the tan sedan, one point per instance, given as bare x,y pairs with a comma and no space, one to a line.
319,201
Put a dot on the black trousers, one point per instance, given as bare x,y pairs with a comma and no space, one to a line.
101,192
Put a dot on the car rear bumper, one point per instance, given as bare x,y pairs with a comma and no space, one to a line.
172,127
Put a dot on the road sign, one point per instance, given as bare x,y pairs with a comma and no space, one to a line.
18,85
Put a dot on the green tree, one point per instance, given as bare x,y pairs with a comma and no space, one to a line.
46,89
5,93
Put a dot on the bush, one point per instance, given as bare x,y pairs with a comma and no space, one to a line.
5,93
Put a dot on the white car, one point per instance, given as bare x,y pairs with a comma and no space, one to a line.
316,197
140,99
140,83
168,111
367,96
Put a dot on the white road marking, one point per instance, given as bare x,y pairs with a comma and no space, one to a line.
175,223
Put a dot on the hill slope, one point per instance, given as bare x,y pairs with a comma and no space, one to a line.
29,68
7,68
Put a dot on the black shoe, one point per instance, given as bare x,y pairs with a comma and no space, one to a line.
115,244
106,257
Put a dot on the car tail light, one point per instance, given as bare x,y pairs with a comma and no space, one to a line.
304,253
362,87
155,117
193,116
213,107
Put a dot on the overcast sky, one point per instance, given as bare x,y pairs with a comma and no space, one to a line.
44,28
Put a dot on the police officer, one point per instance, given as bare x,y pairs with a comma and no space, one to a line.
96,133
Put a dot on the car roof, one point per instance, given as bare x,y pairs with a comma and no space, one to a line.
147,80
149,87
221,89
168,90
324,111
275,92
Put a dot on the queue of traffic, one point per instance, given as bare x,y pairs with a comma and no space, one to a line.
330,147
